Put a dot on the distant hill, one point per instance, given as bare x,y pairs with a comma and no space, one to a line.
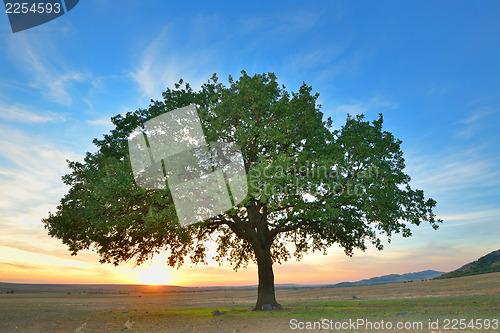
490,263
391,278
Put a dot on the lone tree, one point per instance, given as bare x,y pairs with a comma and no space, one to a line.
310,187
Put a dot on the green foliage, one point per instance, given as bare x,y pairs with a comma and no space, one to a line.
310,187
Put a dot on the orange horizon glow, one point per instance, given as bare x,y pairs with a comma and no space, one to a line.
156,272
53,265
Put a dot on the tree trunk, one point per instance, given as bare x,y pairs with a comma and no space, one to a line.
266,295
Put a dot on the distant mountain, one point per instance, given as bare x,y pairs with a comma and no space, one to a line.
391,278
490,263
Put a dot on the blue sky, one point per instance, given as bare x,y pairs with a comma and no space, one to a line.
431,67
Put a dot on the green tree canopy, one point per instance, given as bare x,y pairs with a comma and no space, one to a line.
310,187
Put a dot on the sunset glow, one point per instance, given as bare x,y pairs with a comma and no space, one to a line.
155,273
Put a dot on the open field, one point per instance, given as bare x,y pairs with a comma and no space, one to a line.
147,310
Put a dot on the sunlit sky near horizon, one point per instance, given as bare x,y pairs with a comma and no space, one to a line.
431,67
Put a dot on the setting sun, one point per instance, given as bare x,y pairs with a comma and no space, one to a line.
155,273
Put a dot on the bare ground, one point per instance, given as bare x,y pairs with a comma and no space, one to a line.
470,298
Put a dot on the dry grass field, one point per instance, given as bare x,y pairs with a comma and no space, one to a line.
474,299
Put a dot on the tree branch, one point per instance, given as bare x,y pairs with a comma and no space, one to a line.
285,228
282,208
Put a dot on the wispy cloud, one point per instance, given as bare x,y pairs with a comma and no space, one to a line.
280,24
451,175
37,270
22,114
46,247
106,121
375,103
478,114
476,120
27,266
161,66
474,217
49,76
446,172
33,179
438,89
319,57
